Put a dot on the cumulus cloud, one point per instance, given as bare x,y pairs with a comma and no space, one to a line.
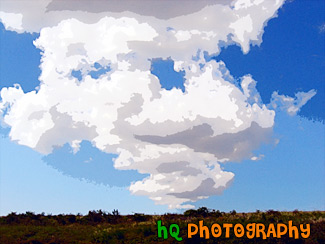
179,138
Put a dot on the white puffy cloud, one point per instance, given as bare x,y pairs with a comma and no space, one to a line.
178,138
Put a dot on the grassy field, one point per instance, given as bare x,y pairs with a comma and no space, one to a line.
104,227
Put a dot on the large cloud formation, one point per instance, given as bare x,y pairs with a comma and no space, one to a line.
96,85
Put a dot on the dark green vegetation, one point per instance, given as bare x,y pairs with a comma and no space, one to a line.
103,227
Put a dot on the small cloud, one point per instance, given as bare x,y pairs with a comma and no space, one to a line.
12,21
322,28
88,160
257,158
289,104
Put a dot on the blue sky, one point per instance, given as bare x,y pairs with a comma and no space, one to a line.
289,176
